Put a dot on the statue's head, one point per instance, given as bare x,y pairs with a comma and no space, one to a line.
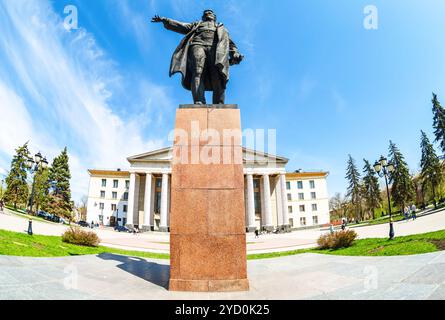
208,15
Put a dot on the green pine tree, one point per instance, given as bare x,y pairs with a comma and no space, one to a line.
59,198
16,184
439,122
431,171
354,187
402,190
371,189
41,189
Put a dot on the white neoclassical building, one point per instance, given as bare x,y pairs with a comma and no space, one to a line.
140,195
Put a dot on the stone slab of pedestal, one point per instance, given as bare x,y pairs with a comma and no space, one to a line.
207,220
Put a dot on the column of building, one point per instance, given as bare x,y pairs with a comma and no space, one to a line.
284,205
267,222
133,196
250,204
148,209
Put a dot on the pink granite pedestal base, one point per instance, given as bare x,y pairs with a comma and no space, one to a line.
207,221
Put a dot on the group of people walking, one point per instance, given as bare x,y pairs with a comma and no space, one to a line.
410,211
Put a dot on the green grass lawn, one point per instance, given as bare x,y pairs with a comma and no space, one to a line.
24,215
21,244
408,245
385,219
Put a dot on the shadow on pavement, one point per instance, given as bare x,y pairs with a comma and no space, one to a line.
158,274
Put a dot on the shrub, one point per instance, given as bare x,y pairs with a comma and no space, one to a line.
80,237
337,240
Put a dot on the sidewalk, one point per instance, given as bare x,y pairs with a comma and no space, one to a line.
159,242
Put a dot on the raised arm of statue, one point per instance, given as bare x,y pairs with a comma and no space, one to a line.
173,25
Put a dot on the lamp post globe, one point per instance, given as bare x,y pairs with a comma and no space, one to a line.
377,167
391,167
29,163
38,157
383,161
44,163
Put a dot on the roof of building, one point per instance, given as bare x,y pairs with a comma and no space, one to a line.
108,172
306,175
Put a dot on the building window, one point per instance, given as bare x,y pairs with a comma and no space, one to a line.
115,183
104,182
291,222
314,207
127,184
125,208
113,207
289,209
101,206
114,195
102,194
158,182
315,220
300,184
288,185
302,208
301,196
125,196
313,195
312,184
289,197
302,221
256,183
257,200
158,202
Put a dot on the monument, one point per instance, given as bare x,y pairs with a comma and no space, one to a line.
207,220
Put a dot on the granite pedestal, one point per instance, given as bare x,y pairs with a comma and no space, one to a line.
207,221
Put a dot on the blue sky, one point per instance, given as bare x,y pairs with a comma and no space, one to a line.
312,72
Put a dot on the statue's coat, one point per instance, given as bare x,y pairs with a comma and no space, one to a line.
225,49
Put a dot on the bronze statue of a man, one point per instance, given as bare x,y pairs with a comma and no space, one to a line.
203,57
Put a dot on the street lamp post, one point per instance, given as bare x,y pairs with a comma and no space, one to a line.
36,165
383,168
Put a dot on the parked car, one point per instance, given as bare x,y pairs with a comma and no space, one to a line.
83,224
121,229
43,214
62,220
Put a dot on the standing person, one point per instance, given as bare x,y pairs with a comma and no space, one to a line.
331,228
343,224
257,233
405,213
413,211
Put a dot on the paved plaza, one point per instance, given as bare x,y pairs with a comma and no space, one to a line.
306,276
159,242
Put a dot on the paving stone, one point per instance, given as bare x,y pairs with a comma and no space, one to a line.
307,276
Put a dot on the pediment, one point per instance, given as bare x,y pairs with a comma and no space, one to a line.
165,155
160,155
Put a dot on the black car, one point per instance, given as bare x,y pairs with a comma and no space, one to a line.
44,215
83,224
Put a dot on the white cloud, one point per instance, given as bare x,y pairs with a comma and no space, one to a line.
61,93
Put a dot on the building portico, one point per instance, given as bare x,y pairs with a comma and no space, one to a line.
145,203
